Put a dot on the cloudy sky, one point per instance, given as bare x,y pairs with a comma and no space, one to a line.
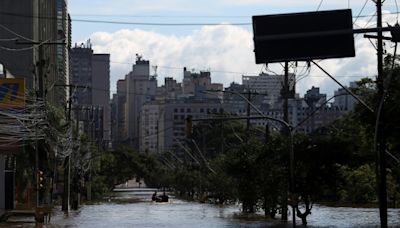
219,39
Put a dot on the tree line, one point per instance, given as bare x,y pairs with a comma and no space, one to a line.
225,162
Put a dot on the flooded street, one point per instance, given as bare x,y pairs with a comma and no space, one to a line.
134,209
178,213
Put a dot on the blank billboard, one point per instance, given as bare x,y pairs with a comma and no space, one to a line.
303,36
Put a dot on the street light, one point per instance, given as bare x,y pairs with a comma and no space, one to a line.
291,147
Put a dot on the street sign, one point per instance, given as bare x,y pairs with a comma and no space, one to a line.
12,93
303,36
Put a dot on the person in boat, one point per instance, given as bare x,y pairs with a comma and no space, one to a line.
154,197
164,197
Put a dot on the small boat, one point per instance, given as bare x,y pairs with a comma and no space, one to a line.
160,199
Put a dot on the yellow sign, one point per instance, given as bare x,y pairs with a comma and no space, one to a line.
12,93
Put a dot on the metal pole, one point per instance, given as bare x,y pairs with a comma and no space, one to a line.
381,137
286,130
248,114
343,87
292,177
65,197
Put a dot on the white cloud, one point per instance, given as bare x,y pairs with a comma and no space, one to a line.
218,48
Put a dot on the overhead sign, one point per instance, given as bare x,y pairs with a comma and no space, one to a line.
12,93
303,36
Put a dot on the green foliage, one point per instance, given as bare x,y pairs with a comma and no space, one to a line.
359,184
229,163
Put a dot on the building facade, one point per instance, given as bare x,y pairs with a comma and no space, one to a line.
164,123
91,91
39,39
140,88
36,36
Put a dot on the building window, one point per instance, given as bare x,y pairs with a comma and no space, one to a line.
182,110
202,110
175,110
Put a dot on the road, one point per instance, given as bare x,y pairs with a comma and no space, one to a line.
135,209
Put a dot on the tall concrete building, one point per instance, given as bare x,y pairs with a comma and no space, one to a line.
118,105
91,78
344,100
170,90
164,122
140,88
199,85
35,45
271,85
43,31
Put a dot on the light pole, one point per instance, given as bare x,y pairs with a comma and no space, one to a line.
290,138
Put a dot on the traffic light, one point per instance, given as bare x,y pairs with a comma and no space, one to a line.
41,179
189,126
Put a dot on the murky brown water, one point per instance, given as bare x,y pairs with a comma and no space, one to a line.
178,213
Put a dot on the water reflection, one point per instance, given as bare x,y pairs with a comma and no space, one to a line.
187,214
128,210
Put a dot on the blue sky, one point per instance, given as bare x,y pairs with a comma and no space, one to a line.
225,50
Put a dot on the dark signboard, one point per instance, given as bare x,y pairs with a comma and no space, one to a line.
303,36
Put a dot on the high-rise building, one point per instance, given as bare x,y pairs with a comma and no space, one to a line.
39,38
268,85
36,37
118,128
91,89
164,122
343,100
199,85
140,88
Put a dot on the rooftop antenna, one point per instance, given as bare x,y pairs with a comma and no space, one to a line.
155,68
88,44
139,57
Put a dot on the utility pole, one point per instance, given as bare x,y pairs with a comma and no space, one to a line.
285,108
40,93
266,133
65,196
248,114
289,133
380,113
67,160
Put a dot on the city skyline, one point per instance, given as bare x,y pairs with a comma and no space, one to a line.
225,49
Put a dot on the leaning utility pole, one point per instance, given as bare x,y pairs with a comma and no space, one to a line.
284,94
248,114
67,160
381,136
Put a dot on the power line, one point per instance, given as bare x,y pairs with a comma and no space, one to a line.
362,9
319,5
159,23
127,22
184,16
161,16
16,34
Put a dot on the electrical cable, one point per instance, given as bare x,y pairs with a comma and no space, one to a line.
319,5
16,34
9,39
147,23
362,9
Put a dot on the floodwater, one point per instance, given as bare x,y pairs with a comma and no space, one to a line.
178,213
